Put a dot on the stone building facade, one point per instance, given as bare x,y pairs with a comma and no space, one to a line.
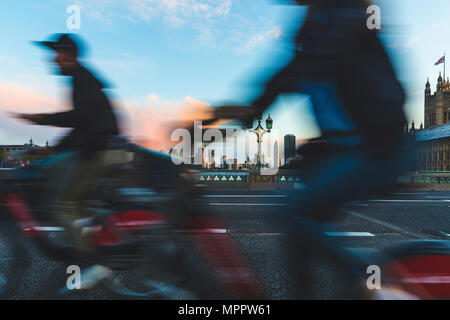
437,105
433,149
433,139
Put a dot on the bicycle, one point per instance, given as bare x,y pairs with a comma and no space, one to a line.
417,269
150,229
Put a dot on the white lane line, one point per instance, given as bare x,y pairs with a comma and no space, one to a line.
408,193
437,197
246,204
46,229
349,234
445,234
354,204
411,200
245,196
203,231
388,225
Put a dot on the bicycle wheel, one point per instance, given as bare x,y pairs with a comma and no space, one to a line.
169,269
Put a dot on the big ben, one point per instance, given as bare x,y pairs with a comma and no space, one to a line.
437,105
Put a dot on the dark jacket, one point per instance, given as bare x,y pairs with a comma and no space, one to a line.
335,44
92,117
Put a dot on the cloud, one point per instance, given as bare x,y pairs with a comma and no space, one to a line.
417,38
174,12
261,38
14,98
213,21
19,99
415,93
151,122
126,63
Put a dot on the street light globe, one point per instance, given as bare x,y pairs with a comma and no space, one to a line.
269,123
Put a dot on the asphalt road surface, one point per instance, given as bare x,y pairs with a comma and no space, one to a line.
366,226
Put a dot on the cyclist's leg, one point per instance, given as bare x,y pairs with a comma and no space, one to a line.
69,179
339,177
56,171
74,190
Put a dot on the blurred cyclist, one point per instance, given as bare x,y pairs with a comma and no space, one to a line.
358,104
356,98
93,122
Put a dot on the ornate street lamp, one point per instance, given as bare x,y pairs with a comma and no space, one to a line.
260,131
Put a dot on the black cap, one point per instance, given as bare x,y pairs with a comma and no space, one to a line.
64,42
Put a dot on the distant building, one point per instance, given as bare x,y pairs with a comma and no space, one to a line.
203,158
234,164
212,161
15,152
224,162
433,148
276,155
433,140
290,150
437,105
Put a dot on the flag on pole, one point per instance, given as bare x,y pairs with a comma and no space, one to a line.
441,60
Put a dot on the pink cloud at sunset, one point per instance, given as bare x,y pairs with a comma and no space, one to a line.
148,123
14,98
18,99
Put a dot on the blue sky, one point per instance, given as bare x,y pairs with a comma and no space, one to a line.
156,53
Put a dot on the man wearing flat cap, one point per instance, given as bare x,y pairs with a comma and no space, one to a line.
81,152
92,117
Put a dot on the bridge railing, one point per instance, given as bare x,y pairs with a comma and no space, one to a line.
247,177
427,177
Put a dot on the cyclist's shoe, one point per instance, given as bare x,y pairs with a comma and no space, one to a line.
93,275
392,293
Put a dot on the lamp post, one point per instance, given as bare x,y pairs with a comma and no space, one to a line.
260,131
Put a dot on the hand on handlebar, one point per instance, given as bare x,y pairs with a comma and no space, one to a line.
27,117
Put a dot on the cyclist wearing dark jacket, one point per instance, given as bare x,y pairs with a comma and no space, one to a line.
344,68
93,122
358,105
92,117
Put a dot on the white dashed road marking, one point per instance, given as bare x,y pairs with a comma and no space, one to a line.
47,229
349,234
444,233
388,225
246,204
404,200
245,196
408,193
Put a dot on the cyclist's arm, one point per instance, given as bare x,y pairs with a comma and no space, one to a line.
85,110
67,119
282,82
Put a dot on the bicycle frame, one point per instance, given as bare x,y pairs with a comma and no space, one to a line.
218,250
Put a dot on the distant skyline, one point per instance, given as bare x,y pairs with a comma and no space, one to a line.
169,58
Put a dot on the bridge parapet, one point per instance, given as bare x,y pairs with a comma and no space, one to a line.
250,179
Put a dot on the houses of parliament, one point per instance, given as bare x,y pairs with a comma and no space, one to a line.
433,138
